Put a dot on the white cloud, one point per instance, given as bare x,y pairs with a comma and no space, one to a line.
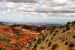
16,13
60,1
11,5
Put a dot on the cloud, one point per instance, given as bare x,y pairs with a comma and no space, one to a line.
21,17
28,1
29,12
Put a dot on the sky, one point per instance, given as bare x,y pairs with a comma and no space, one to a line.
41,11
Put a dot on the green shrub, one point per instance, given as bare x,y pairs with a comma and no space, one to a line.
1,48
49,44
54,46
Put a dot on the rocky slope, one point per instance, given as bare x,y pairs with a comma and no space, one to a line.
15,37
29,37
60,38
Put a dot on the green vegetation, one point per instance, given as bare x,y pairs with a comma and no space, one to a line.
54,46
1,48
4,40
49,44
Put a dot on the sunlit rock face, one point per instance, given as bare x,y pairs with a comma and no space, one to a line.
42,11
